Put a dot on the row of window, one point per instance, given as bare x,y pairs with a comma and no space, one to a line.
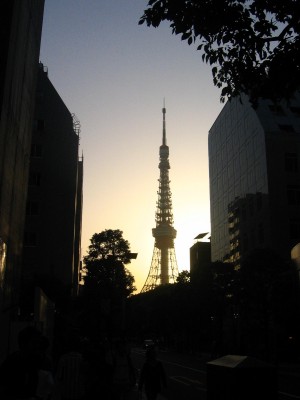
244,208
249,242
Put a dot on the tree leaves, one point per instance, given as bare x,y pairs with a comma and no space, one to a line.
104,263
245,41
109,243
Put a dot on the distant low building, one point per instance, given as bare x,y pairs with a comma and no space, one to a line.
200,256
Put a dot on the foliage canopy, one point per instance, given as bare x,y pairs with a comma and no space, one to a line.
252,46
106,275
183,277
107,243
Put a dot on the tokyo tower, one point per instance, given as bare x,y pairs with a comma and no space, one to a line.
163,269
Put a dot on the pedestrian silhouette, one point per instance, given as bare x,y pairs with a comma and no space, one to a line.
152,377
19,371
70,373
45,384
123,374
98,371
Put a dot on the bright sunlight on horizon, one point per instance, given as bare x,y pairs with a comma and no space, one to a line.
114,75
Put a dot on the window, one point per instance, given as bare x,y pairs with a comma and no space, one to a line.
291,162
293,195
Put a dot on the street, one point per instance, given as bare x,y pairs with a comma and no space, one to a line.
185,379
187,376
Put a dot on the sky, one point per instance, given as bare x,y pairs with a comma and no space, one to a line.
114,75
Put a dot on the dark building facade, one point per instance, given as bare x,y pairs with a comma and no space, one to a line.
52,236
254,174
200,256
20,29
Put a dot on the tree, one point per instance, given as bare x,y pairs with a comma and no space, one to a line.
108,278
253,46
183,277
104,263
107,284
107,243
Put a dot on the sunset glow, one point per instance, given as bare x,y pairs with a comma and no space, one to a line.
114,74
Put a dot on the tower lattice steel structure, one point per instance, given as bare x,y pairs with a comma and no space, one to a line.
163,269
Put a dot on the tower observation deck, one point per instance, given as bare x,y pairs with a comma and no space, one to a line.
163,269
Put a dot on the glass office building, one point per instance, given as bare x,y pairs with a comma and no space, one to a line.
254,174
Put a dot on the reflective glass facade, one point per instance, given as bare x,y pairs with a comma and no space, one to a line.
254,162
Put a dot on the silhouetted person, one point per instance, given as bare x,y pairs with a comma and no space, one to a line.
45,361
98,372
152,377
70,373
19,371
45,370
123,376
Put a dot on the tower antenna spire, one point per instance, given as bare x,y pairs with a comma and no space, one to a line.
163,269
164,140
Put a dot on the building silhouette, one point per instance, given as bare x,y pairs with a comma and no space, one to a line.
52,236
200,256
20,27
163,269
254,174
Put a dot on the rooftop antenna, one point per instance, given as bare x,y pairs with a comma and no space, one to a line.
164,141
